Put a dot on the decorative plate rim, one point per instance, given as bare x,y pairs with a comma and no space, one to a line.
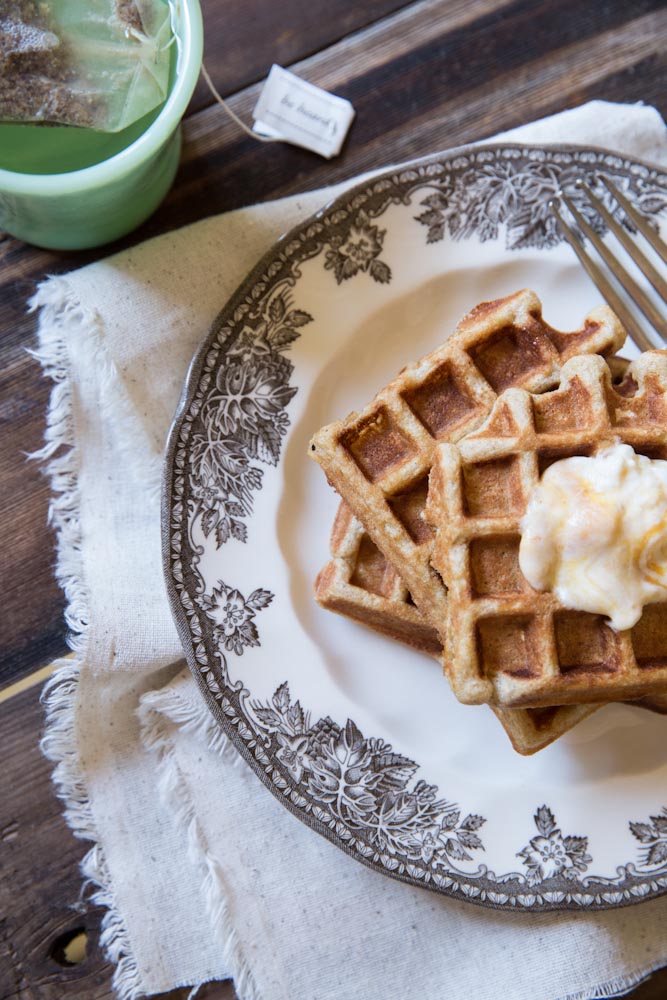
555,863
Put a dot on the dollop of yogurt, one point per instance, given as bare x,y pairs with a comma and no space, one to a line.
595,534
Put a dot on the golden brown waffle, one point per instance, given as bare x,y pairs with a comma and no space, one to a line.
507,643
379,459
359,583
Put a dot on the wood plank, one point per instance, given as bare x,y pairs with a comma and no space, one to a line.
31,628
244,37
418,114
40,884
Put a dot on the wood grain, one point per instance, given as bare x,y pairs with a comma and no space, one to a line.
420,112
244,37
40,884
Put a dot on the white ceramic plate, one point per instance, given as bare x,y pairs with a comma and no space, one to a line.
358,736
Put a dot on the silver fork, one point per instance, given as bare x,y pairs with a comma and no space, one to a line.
644,337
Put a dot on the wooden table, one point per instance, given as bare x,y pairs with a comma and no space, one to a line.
422,77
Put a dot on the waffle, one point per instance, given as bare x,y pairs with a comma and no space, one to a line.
508,644
379,459
360,584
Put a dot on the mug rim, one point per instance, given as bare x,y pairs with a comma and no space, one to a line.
144,146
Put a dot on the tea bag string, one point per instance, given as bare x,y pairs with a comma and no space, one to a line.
159,49
235,118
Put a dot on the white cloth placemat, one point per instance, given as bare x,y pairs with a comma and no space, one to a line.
203,873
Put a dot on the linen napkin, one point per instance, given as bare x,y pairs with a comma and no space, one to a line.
204,874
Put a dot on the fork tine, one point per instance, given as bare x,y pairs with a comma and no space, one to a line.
640,259
637,294
638,220
600,281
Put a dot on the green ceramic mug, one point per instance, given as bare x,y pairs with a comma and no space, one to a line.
70,188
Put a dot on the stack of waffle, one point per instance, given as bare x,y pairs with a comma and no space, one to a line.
434,476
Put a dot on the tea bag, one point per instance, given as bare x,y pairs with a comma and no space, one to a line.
100,64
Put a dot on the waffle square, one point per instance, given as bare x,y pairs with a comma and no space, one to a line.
359,583
507,643
379,459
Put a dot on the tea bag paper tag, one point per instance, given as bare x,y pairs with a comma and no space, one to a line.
292,109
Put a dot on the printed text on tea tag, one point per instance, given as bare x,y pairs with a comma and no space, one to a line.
290,108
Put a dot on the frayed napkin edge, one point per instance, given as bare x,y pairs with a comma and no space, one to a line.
158,711
619,986
60,311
